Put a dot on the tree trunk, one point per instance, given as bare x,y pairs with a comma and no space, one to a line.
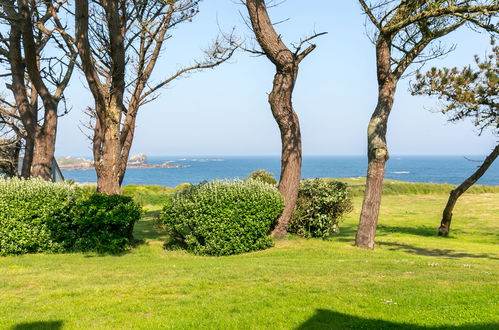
377,148
44,148
456,193
28,111
280,100
126,144
29,149
107,152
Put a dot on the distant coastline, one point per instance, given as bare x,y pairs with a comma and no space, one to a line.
195,169
136,161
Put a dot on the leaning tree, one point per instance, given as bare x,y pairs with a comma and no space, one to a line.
119,44
404,32
469,93
286,62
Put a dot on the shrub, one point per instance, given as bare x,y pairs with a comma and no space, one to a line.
319,208
222,217
104,223
263,176
39,216
34,215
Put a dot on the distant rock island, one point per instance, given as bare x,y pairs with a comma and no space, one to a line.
136,161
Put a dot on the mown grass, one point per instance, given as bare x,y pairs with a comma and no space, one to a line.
413,279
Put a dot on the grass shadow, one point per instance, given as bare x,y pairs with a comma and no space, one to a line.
326,319
145,229
39,325
448,253
424,231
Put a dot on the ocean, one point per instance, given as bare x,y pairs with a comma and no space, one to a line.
436,169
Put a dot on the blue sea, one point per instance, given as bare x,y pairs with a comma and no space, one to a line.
436,169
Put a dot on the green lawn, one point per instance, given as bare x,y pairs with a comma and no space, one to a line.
413,279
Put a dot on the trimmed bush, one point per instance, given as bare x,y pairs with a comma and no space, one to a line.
222,217
103,223
34,215
38,216
263,176
319,208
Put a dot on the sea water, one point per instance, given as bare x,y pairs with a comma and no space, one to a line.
436,169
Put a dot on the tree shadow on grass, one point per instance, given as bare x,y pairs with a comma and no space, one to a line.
346,234
416,230
326,319
39,325
448,253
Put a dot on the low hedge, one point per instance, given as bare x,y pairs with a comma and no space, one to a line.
222,217
38,216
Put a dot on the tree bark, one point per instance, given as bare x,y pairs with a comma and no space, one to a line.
377,148
107,151
280,99
27,110
29,149
456,193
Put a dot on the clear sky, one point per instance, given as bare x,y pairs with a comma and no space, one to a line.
225,111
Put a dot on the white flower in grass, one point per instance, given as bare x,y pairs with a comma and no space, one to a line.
389,302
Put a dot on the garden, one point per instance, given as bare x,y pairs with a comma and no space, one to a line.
189,266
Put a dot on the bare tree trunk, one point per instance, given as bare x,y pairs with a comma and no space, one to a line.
456,193
27,111
107,152
126,143
45,144
29,149
377,148
291,155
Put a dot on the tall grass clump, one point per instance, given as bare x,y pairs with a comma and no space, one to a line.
222,217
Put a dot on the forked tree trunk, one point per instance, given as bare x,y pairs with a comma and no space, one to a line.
456,193
45,135
377,148
291,154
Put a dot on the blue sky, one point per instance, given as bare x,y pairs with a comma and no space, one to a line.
225,111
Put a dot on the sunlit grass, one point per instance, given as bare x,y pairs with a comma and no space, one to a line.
413,279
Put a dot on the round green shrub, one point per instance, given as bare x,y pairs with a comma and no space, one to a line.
263,176
222,217
319,208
